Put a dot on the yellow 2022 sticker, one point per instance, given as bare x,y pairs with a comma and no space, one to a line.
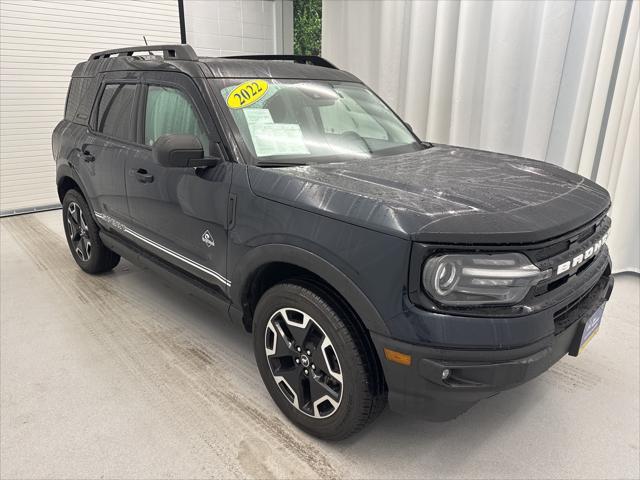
247,93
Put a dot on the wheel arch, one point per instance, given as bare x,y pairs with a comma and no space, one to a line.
268,265
66,180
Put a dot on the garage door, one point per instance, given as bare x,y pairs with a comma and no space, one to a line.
40,43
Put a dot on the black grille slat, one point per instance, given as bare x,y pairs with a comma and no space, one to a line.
568,250
586,303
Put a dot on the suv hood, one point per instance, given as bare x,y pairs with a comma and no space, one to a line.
442,194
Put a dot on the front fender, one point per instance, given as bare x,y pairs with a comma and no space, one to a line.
270,253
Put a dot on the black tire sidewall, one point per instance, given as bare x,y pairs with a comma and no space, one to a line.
345,419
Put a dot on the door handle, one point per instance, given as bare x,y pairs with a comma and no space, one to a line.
143,176
86,155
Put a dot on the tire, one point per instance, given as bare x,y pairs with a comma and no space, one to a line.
339,387
82,235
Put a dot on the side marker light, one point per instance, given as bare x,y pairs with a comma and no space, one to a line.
397,357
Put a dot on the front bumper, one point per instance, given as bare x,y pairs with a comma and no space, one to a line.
419,388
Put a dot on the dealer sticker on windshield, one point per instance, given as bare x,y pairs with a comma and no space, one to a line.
247,93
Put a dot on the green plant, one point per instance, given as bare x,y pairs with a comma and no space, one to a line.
307,27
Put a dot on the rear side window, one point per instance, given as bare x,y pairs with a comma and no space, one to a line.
169,111
115,111
73,98
77,89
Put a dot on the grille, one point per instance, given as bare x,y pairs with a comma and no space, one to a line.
566,316
570,249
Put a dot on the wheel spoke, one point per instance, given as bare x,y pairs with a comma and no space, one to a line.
86,247
320,387
73,214
73,229
330,358
320,361
83,224
81,248
73,220
284,340
292,378
296,323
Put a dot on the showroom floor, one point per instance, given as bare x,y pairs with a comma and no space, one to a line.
119,376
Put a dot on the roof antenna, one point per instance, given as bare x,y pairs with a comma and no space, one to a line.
147,44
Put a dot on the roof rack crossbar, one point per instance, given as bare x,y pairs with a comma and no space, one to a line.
304,59
174,52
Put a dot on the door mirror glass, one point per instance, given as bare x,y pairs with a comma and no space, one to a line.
178,151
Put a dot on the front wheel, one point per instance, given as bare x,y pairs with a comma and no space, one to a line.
314,363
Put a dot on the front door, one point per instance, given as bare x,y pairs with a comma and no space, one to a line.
179,213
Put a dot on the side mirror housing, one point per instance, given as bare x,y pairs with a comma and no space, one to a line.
181,151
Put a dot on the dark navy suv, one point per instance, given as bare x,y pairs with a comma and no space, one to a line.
370,267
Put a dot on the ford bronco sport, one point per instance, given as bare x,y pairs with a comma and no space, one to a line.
370,267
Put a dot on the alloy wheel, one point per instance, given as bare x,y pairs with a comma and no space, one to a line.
78,231
304,363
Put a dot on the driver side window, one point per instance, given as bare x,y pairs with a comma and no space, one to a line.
169,111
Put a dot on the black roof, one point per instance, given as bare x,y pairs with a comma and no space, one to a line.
183,59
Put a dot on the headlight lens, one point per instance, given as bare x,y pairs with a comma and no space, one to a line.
470,279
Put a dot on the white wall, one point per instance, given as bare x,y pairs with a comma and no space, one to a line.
531,78
233,27
40,44
42,40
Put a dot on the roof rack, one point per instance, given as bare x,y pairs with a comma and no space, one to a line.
304,59
175,52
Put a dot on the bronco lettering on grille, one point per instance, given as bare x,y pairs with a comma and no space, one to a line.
588,253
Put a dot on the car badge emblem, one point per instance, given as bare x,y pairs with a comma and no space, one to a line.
207,238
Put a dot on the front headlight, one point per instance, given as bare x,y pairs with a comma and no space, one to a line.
474,279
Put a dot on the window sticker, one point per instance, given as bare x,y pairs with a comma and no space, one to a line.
256,116
247,93
277,139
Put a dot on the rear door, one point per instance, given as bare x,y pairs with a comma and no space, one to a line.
109,142
179,213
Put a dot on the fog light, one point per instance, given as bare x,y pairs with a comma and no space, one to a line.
445,373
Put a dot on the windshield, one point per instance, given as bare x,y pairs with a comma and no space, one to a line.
300,122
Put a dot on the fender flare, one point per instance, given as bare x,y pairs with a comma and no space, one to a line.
66,170
282,253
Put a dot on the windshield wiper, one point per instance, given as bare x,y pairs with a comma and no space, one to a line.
280,164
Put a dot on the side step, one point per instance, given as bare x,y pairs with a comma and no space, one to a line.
175,276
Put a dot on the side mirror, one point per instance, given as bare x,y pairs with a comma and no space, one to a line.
181,151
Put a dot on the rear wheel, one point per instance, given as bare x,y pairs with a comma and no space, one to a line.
313,362
82,236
